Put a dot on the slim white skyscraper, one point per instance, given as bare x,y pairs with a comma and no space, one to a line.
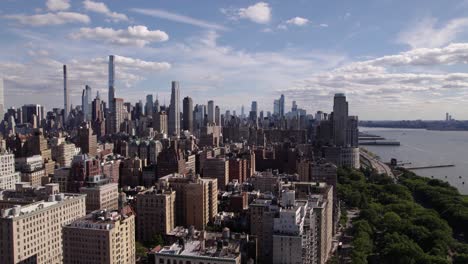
66,96
2,101
111,82
174,110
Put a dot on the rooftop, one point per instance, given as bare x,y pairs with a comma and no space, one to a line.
100,219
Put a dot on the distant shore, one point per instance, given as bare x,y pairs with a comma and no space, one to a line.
453,125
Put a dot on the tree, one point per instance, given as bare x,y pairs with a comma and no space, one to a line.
140,250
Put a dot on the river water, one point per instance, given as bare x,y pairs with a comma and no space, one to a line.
424,148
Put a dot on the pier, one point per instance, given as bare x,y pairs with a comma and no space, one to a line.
380,143
431,167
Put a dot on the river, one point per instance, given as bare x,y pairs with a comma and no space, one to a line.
425,147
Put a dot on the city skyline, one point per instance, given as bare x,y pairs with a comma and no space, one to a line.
407,69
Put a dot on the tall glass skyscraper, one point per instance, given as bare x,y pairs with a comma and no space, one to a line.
281,105
174,110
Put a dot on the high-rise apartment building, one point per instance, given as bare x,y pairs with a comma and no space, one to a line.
294,237
188,114
340,119
87,140
217,168
160,122
174,110
100,237
100,197
63,154
8,176
117,116
32,169
156,213
196,199
32,224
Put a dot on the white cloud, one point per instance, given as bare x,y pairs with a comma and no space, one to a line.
258,13
427,33
456,53
102,8
58,5
133,36
392,81
132,63
159,13
298,21
49,18
323,25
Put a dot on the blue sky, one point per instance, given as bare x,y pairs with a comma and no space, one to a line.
393,59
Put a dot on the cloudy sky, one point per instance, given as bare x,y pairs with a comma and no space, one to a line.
393,59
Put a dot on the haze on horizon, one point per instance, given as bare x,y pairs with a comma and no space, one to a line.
393,59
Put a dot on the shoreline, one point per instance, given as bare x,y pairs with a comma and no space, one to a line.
399,168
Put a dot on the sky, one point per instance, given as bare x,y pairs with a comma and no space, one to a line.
393,59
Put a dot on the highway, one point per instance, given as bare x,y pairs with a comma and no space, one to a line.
376,164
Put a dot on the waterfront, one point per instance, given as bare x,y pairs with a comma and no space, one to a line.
426,147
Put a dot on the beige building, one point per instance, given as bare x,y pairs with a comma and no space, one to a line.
101,197
32,169
155,213
100,237
63,154
8,176
31,223
196,199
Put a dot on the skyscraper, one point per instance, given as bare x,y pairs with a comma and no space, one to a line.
276,107
156,105
254,107
217,116
281,105
111,82
117,116
149,106
86,103
66,96
340,119
188,114
174,110
199,116
211,111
